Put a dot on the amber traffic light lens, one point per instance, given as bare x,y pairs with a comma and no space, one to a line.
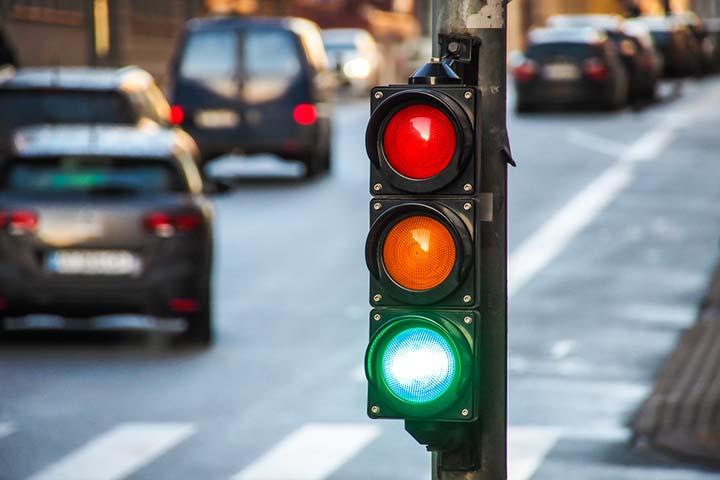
419,253
419,141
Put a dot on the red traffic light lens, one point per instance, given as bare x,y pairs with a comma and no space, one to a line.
419,141
419,253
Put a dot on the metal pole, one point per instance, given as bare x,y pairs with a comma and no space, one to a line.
486,20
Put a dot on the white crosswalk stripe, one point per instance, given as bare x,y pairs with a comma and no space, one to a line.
527,448
313,452
118,453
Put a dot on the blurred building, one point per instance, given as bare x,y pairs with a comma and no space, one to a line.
96,32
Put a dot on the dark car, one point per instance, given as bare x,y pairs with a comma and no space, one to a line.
643,80
126,96
713,28
677,44
564,67
702,39
105,220
255,85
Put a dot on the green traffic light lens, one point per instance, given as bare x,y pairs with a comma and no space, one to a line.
419,365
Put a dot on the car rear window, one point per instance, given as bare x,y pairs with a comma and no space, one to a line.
210,58
28,107
271,63
570,50
91,175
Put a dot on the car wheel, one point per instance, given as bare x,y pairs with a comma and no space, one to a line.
199,329
320,160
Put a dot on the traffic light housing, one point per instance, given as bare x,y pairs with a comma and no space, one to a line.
423,361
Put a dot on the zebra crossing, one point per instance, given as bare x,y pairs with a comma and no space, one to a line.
314,451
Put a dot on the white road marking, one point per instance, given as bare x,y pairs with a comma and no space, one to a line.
6,429
546,243
563,348
313,452
679,316
527,449
595,143
118,452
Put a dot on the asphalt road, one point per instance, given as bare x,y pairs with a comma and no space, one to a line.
614,229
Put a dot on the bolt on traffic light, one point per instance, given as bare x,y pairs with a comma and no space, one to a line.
422,361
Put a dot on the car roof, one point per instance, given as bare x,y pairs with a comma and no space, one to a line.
101,140
78,78
585,35
295,24
659,22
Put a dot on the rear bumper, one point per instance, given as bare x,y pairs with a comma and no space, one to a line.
297,142
561,93
149,294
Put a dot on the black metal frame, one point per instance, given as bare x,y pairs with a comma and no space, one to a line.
459,283
460,110
450,322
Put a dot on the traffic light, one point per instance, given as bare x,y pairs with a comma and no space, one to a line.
423,361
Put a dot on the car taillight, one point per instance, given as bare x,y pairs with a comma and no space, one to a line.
177,115
166,225
305,114
19,222
184,305
525,71
596,70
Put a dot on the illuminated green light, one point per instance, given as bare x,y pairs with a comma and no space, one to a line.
419,365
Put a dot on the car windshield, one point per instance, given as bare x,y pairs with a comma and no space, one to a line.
331,46
28,107
90,175
571,50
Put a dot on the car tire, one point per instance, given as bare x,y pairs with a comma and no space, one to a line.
320,160
199,330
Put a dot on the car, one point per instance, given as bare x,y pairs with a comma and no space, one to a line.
570,67
713,28
103,220
643,80
69,95
652,63
703,44
355,56
676,43
255,86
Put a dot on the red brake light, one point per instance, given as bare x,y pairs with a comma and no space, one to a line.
525,71
165,225
596,70
305,114
419,141
177,115
184,305
188,222
19,222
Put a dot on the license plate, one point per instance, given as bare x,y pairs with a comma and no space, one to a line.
217,119
561,71
94,262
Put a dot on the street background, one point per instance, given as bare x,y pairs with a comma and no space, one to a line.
613,236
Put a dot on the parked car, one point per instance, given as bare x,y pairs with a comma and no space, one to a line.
713,28
676,43
126,96
354,56
255,85
652,63
703,43
642,82
564,67
105,220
